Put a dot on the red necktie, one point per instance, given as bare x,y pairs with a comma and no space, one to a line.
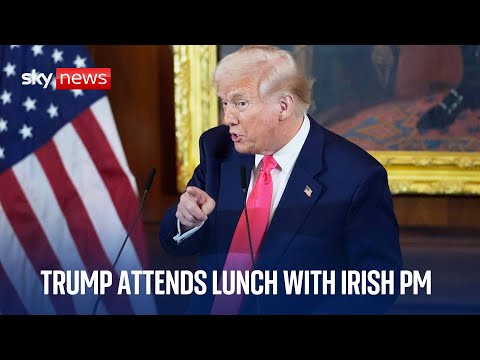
239,257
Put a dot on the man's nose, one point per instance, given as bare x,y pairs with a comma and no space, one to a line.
230,117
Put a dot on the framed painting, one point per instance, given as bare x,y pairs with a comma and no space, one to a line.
415,108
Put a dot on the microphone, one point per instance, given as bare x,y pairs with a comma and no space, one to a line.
243,178
148,185
243,182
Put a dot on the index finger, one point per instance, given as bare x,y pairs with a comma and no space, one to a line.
196,193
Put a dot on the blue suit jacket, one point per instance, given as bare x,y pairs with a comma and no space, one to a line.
348,222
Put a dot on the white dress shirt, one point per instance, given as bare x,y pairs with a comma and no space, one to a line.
285,158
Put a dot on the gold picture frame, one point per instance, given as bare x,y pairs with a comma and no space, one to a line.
196,104
409,172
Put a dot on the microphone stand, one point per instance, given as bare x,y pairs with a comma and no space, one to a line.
148,184
243,177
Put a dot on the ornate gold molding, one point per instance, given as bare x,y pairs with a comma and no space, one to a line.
196,104
409,172
431,172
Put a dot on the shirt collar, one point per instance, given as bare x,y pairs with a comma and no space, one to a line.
286,156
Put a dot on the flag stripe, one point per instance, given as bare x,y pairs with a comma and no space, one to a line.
66,201
122,194
20,272
102,111
46,210
91,188
10,302
31,235
84,236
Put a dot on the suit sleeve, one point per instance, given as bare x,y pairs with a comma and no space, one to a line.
168,225
371,238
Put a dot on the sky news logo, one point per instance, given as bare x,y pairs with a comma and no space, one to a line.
71,79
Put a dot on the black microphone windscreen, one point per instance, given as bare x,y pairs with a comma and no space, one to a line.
243,177
149,181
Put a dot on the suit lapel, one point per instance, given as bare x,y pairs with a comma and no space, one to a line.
301,193
231,201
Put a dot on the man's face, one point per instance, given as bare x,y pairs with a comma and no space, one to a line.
253,122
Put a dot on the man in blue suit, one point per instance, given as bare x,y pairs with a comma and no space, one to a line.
330,208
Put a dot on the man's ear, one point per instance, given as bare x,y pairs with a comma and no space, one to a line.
286,106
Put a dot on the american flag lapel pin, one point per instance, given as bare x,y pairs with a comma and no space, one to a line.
308,191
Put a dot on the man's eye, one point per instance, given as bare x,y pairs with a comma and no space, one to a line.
224,103
242,103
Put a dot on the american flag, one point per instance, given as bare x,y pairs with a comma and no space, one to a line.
67,196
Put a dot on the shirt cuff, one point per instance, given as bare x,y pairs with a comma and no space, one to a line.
180,237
